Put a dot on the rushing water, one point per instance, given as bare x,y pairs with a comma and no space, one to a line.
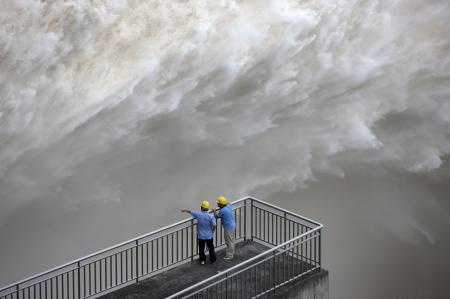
114,114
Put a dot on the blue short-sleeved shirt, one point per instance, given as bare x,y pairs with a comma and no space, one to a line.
226,214
205,223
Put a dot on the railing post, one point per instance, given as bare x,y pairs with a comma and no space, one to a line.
192,240
79,280
226,286
272,260
320,248
285,227
251,219
245,220
137,261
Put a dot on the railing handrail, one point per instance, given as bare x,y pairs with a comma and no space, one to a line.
225,272
285,211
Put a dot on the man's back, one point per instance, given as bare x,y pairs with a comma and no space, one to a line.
226,215
205,224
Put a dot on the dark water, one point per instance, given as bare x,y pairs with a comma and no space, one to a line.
386,235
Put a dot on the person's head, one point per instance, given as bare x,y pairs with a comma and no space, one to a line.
205,205
221,201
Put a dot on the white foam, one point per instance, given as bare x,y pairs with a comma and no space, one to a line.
267,92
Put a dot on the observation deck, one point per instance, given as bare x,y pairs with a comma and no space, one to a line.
278,254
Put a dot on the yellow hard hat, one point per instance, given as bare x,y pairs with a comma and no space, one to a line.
205,204
222,200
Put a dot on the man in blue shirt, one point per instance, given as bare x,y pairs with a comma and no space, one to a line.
206,224
225,213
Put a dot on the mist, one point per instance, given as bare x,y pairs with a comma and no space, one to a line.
116,114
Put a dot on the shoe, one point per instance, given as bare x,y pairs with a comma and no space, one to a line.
202,262
227,257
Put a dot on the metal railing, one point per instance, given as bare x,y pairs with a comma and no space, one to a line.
295,252
296,239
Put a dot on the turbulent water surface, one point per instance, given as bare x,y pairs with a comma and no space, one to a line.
115,114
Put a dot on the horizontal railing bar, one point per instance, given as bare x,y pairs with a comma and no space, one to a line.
225,272
293,245
286,211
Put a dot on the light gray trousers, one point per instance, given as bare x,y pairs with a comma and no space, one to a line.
229,241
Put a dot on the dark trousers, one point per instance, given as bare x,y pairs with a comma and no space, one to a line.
201,249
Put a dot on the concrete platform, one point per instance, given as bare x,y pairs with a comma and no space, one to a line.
176,279
181,277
